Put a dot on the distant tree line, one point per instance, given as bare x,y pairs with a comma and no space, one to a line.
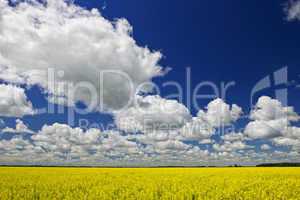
279,165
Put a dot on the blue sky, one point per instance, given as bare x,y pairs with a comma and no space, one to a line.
219,41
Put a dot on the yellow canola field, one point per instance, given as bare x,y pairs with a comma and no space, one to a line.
149,183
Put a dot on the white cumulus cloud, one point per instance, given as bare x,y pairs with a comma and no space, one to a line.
260,129
268,109
218,113
270,119
152,113
14,102
62,140
265,147
78,44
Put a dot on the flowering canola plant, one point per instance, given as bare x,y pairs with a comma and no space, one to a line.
149,183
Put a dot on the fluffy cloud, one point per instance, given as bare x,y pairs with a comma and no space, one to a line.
60,142
64,141
291,137
115,145
270,119
231,137
197,129
13,102
16,147
189,140
79,44
152,113
174,145
20,128
268,109
160,132
273,122
265,147
230,146
218,113
293,10
286,141
260,129
156,136
157,124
